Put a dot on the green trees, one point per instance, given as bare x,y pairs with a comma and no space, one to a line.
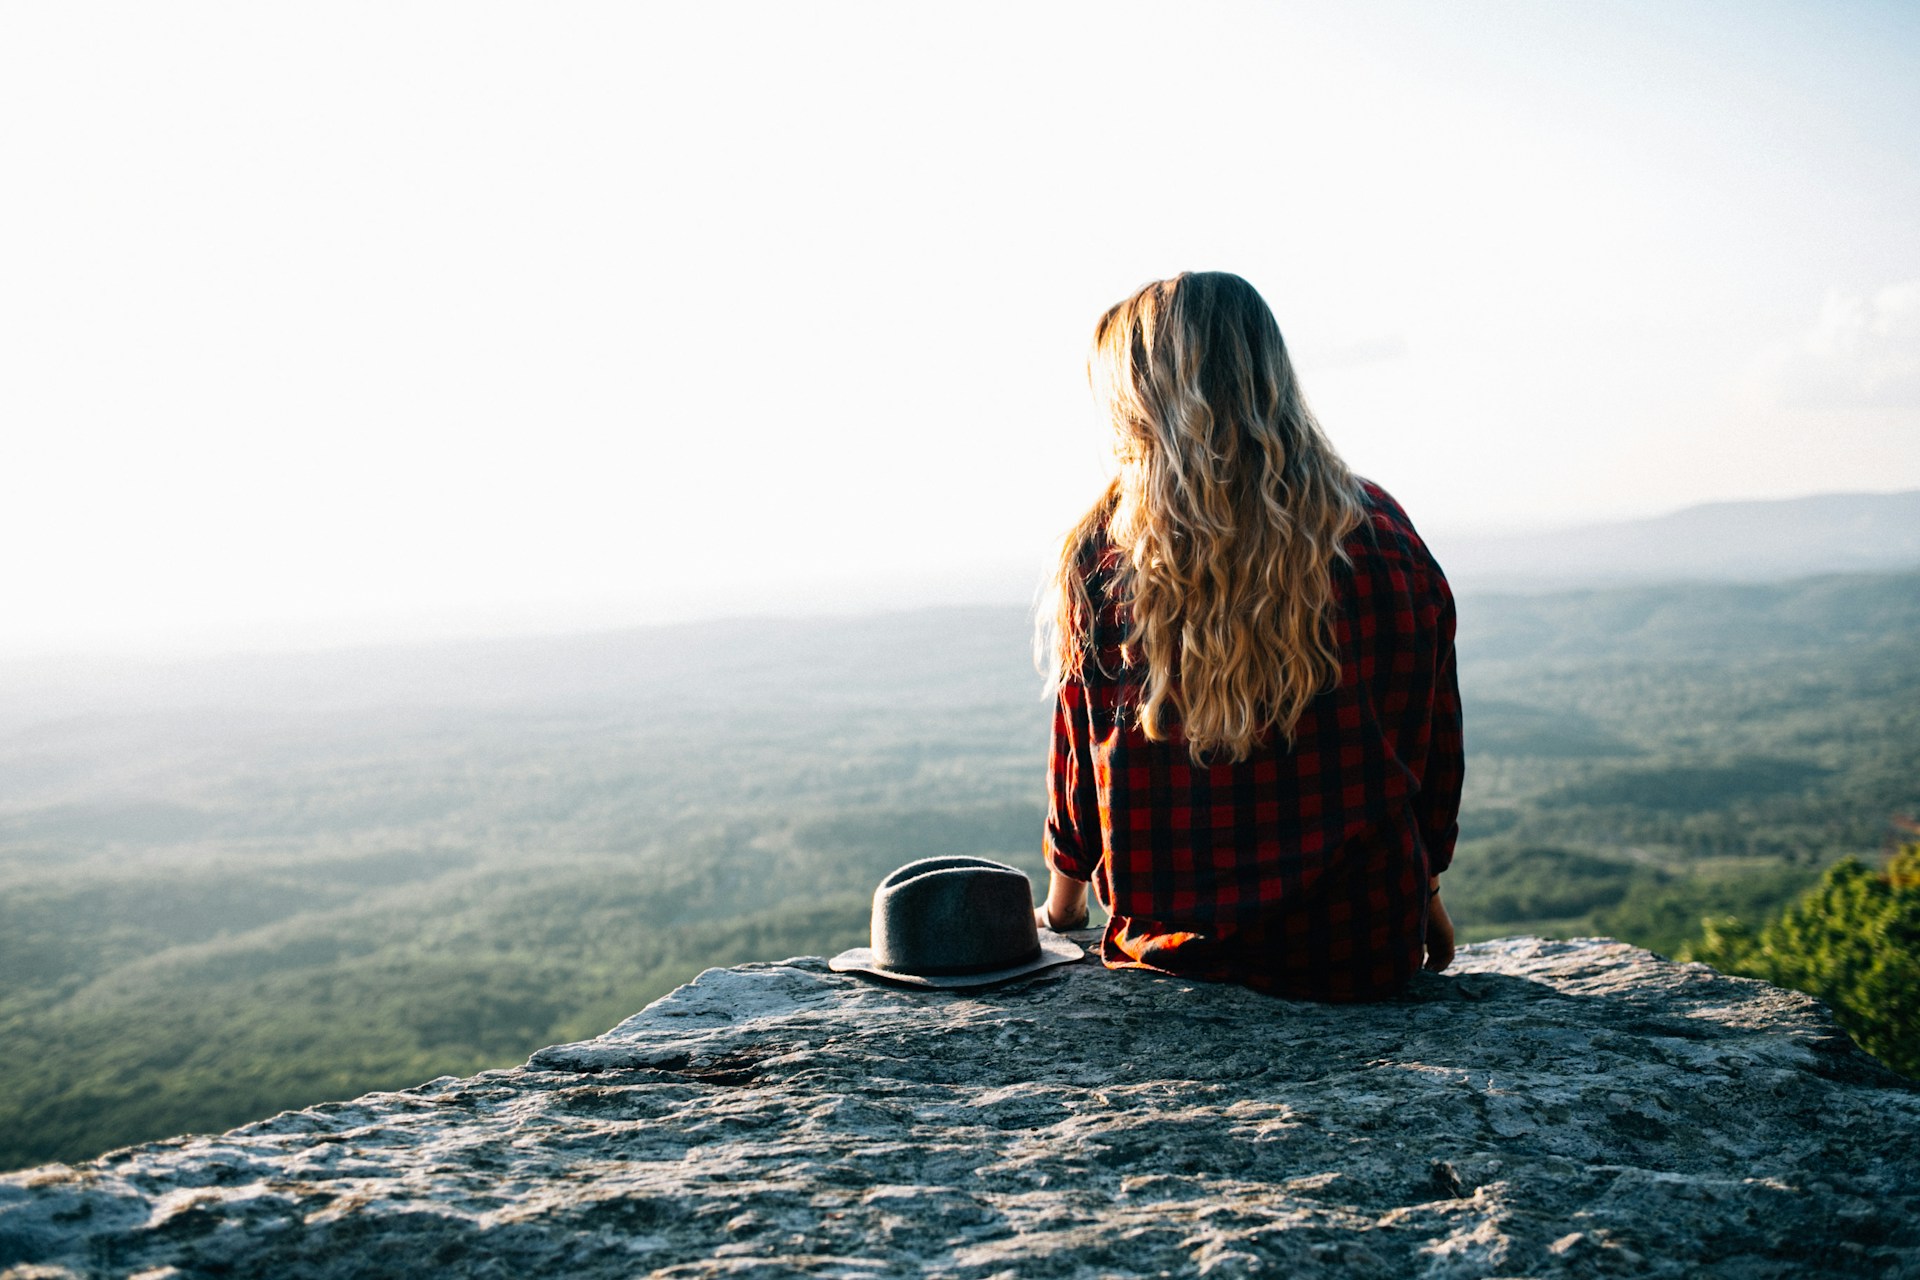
1853,941
377,874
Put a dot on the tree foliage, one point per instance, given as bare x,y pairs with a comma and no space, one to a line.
284,881
1853,941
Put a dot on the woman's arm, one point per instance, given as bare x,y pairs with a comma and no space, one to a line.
1439,930
1071,847
1437,804
1066,904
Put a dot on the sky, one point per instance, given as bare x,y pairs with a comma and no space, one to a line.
325,323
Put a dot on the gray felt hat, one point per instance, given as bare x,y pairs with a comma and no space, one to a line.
955,922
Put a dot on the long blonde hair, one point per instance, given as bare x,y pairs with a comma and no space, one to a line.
1228,511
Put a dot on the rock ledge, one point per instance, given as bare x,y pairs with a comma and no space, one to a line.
1573,1108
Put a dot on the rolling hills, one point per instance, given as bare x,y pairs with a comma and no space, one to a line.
260,884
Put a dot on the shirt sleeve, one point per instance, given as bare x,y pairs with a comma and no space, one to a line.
1072,845
1438,803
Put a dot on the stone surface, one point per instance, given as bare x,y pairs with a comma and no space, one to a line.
1546,1109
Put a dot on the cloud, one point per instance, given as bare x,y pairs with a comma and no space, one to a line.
1862,352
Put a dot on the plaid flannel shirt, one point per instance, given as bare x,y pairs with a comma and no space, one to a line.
1299,872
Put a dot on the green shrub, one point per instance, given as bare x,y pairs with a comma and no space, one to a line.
1853,941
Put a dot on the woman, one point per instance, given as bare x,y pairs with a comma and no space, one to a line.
1257,752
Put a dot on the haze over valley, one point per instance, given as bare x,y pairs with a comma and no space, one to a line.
232,886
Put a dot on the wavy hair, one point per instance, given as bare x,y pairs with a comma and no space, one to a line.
1228,511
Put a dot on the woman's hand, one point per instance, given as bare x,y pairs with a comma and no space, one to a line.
1066,904
1439,934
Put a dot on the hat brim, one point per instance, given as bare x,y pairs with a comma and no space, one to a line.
1053,950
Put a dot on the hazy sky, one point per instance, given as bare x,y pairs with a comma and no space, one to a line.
320,321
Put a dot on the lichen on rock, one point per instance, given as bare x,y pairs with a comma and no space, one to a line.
1576,1108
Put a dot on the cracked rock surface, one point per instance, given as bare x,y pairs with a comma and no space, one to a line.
1573,1108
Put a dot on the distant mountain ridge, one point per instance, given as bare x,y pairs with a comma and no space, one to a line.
936,654
1716,541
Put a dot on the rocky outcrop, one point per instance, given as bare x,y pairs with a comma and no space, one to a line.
1546,1109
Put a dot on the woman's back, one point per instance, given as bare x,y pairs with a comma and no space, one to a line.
1256,755
1298,870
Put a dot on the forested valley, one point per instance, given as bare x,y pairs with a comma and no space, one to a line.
232,888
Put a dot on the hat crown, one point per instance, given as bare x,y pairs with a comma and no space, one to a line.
956,915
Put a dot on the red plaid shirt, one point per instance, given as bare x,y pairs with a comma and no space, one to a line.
1300,873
